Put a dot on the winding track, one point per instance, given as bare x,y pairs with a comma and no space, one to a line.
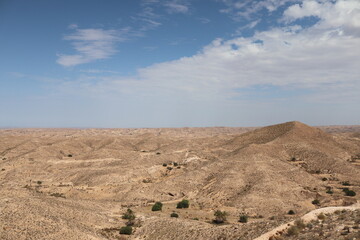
306,218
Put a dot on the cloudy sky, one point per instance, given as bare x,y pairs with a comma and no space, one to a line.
176,63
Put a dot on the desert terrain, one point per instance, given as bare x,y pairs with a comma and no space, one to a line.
78,183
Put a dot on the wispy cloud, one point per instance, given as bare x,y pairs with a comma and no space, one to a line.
91,45
176,7
247,9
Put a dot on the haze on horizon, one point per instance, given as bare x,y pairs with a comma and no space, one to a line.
175,63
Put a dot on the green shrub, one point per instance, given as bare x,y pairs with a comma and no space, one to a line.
220,216
329,191
243,219
183,204
157,206
346,183
350,193
324,179
315,202
164,164
129,215
127,230
174,215
291,212
175,164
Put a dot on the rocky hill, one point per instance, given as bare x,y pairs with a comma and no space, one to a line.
76,183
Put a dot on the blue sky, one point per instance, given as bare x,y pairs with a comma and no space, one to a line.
176,63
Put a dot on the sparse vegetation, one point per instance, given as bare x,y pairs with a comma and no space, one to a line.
175,164
350,193
316,202
164,164
39,182
291,212
329,191
220,216
58,195
243,219
183,204
127,230
324,179
174,215
130,216
157,206
347,183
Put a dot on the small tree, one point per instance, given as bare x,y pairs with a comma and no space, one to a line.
157,206
291,212
220,216
183,204
174,215
243,218
130,216
127,230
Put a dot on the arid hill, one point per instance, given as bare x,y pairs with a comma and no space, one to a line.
76,183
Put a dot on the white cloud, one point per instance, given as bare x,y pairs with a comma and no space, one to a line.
341,14
318,58
91,45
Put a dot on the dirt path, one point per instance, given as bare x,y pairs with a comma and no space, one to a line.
307,218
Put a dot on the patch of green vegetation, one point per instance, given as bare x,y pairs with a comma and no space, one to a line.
243,219
127,230
183,204
157,206
174,215
291,212
220,216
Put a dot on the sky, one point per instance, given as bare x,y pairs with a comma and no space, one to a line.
179,63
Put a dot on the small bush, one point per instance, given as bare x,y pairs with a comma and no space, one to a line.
324,179
183,204
350,193
315,202
220,216
174,215
346,183
169,168
127,230
164,164
243,219
175,164
157,206
293,231
39,182
129,215
329,191
291,212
